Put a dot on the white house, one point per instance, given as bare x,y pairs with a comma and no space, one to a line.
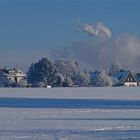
14,75
125,78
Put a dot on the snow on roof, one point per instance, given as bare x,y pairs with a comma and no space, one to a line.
121,75
13,72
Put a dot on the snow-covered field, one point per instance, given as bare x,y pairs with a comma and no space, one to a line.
25,114
73,93
69,124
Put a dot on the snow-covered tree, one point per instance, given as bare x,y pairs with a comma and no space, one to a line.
4,82
113,68
101,79
68,69
71,73
43,72
31,74
82,79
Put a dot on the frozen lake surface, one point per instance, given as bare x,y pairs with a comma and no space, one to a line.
64,114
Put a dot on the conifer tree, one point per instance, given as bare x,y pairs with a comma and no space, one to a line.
42,71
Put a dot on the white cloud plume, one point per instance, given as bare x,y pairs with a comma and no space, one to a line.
124,50
98,30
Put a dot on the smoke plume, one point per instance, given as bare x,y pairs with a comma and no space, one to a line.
96,54
98,30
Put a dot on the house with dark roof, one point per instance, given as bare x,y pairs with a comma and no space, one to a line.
125,78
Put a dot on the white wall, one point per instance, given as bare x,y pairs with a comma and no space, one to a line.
131,84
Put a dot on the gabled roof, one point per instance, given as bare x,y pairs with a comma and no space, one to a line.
121,75
12,72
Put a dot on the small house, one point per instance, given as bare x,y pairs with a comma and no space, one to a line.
125,78
13,75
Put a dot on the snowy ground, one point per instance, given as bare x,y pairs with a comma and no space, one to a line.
99,117
69,124
74,93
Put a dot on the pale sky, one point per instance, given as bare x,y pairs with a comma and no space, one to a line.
29,27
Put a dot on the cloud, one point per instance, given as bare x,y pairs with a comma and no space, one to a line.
99,30
124,50
92,54
97,55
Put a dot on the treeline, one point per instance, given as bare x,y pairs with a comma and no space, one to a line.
64,73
